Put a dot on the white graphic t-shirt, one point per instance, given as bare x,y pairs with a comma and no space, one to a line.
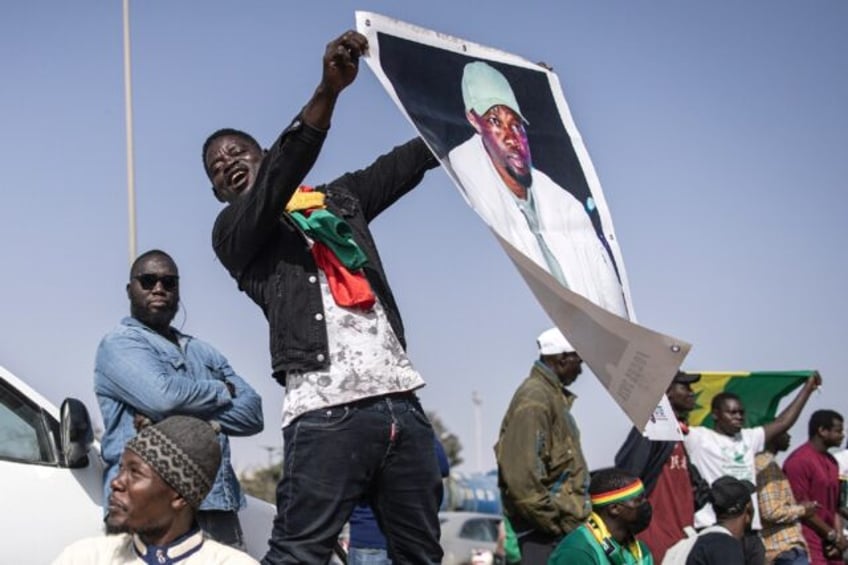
716,455
366,359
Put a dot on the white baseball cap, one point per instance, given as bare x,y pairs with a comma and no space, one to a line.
552,342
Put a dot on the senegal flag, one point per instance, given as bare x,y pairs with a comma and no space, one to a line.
760,393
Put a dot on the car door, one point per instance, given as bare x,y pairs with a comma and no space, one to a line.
44,506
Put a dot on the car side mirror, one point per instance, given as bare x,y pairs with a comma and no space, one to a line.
77,434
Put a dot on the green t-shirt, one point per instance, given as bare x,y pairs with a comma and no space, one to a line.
581,548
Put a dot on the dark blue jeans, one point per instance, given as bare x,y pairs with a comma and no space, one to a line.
367,556
794,556
379,450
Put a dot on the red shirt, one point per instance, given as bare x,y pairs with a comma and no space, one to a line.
815,476
673,504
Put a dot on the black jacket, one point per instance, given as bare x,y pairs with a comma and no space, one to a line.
268,256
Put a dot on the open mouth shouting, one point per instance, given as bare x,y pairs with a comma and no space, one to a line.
238,177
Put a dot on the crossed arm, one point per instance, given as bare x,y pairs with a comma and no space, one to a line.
131,371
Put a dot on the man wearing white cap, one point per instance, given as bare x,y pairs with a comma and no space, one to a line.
521,203
542,474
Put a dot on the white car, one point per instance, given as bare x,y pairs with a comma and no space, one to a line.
51,477
468,537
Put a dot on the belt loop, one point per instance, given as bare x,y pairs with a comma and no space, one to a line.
391,407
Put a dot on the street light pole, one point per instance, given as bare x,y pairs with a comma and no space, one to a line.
129,127
478,429
270,451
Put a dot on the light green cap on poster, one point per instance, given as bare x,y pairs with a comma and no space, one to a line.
483,87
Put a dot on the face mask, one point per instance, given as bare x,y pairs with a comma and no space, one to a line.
643,518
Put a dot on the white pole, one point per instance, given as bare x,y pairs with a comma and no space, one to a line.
129,126
478,429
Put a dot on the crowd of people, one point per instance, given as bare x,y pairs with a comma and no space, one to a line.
356,439
716,497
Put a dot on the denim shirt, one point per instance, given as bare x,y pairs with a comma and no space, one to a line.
138,371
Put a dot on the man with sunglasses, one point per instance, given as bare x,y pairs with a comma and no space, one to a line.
542,474
147,370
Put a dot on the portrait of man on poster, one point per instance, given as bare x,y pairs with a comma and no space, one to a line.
498,130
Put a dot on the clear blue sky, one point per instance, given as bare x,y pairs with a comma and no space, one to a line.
717,130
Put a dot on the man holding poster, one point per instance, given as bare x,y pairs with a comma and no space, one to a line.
521,203
353,428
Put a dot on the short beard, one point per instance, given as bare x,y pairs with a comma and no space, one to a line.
158,320
151,533
111,529
524,180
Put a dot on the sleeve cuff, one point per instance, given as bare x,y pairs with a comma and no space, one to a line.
306,131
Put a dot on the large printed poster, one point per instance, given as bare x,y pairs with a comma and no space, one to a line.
501,128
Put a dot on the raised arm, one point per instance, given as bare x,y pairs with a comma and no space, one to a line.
248,221
789,416
341,65
392,175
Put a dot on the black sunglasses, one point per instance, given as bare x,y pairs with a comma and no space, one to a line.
148,281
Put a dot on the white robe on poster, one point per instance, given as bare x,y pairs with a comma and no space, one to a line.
563,224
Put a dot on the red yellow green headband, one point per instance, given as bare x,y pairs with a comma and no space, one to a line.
622,494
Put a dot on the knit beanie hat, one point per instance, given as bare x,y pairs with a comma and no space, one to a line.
184,451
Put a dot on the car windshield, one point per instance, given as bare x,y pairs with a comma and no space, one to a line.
480,529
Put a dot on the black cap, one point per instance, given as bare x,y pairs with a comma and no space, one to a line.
729,495
686,378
